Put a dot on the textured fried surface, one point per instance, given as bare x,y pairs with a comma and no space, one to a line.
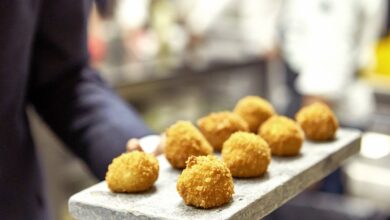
318,122
183,140
254,110
217,127
246,155
283,135
132,172
205,183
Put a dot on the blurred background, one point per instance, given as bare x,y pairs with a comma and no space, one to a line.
175,59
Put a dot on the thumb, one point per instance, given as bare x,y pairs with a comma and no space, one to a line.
133,144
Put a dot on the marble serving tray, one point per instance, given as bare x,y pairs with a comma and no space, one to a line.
253,198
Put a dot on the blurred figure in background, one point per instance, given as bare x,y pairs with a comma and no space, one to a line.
150,28
257,22
325,43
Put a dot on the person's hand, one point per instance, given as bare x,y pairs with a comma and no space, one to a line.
160,147
272,54
133,144
194,41
153,144
308,99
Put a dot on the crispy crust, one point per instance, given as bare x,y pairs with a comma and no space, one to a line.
217,127
183,140
132,172
205,183
246,155
318,122
283,135
254,110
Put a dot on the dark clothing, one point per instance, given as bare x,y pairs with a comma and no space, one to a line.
44,62
295,98
333,182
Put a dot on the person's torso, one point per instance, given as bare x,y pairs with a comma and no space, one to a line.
21,191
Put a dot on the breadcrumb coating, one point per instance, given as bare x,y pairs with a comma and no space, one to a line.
217,127
283,135
183,140
246,155
132,172
254,110
205,183
318,122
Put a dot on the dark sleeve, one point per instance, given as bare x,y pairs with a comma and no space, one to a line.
70,96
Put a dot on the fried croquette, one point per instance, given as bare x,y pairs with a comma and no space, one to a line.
217,127
132,172
183,140
246,155
283,135
254,110
318,122
205,183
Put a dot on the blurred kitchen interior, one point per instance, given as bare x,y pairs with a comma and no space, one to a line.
176,60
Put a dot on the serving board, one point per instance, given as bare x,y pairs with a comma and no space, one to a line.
253,199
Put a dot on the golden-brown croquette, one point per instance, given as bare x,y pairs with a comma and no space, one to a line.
318,122
183,140
217,127
254,110
246,155
283,135
205,183
132,172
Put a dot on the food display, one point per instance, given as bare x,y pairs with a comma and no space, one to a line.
206,182
246,155
254,110
217,127
253,198
183,140
318,122
132,172
283,135
246,138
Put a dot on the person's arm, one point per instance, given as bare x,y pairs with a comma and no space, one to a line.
70,96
